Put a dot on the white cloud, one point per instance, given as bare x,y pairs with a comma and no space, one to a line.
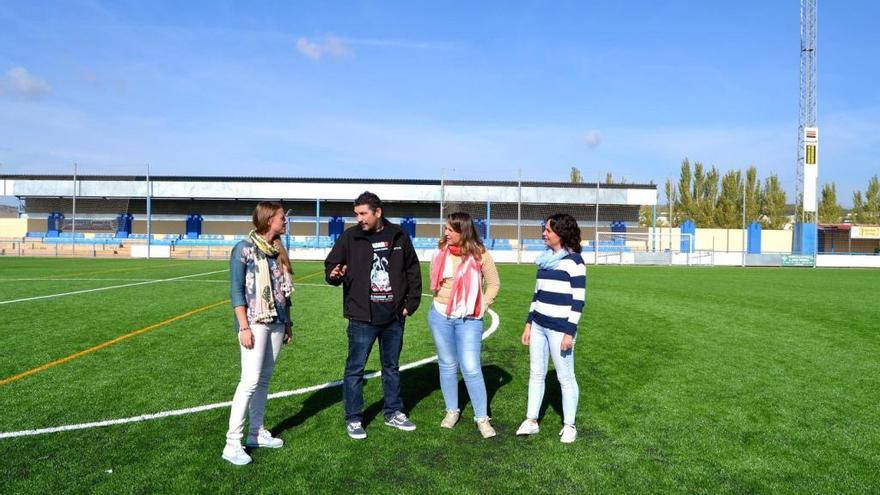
308,48
25,85
336,47
316,49
593,138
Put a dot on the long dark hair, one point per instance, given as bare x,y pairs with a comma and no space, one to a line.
470,243
566,227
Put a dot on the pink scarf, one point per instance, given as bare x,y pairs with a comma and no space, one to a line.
467,284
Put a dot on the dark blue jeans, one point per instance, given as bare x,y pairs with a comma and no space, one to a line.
361,337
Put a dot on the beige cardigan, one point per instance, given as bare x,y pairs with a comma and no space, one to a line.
491,282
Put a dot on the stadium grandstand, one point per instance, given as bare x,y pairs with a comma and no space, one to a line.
217,210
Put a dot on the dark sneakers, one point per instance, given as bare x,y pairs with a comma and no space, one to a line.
400,421
356,430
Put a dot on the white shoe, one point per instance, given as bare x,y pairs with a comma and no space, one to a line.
264,439
450,419
485,428
568,434
236,455
528,427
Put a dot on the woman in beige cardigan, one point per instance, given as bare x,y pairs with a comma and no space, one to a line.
464,282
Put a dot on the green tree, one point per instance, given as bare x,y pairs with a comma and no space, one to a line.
858,210
867,211
575,176
829,209
684,204
609,179
773,204
646,216
697,195
670,202
708,199
753,195
728,212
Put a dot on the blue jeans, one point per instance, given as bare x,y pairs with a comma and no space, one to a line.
361,337
543,345
458,342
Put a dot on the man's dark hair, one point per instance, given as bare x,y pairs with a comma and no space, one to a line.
369,199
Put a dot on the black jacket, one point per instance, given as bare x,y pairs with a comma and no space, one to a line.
354,250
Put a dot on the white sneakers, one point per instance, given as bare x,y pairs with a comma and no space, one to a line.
528,427
236,455
485,428
265,440
568,434
450,419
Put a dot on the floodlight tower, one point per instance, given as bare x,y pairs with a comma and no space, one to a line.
807,170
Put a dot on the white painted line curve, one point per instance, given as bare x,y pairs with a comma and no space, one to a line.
207,407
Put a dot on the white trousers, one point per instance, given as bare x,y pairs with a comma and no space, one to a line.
257,365
543,345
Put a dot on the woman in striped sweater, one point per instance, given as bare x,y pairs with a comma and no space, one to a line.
552,322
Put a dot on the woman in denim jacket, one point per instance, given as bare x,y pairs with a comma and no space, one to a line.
260,288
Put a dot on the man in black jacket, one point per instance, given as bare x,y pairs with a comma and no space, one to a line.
381,285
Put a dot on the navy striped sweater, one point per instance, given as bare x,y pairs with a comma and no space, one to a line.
559,295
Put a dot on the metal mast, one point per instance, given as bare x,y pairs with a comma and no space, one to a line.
807,103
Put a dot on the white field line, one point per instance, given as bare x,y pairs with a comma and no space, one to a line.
106,280
209,281
219,405
84,291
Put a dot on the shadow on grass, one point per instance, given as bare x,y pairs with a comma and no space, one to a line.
552,396
416,385
314,404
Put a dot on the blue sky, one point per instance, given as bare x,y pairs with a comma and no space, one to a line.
406,89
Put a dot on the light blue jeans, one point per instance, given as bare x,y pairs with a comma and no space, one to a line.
544,344
458,342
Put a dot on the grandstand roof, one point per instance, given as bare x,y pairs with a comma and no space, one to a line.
301,188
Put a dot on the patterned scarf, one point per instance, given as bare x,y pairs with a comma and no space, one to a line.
265,311
548,260
467,283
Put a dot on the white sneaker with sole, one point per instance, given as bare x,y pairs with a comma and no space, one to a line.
528,427
264,439
485,428
236,455
568,434
450,419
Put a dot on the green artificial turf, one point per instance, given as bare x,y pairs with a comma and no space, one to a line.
699,380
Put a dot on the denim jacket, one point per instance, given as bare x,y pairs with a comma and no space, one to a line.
243,286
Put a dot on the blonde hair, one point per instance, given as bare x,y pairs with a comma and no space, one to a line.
263,214
470,243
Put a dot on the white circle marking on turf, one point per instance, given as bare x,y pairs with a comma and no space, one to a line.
207,407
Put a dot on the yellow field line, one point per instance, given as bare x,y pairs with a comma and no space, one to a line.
123,337
109,343
319,272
